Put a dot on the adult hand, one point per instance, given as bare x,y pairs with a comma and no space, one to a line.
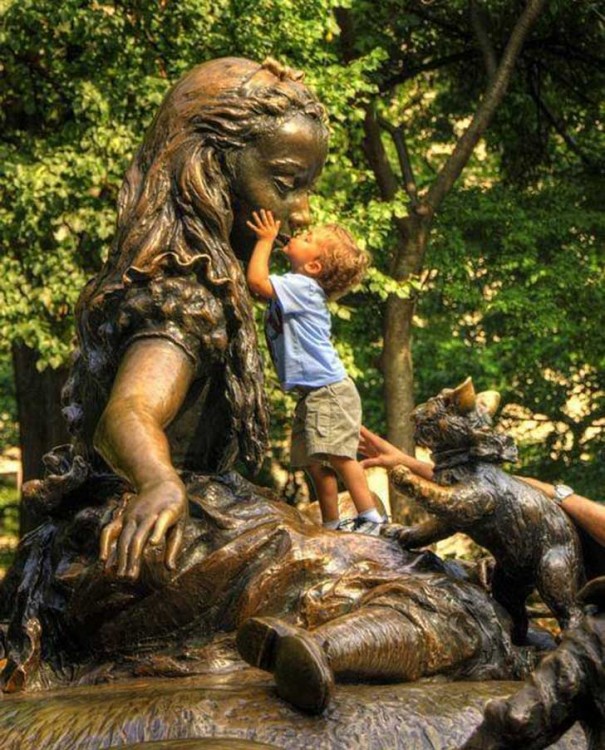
378,452
264,225
153,515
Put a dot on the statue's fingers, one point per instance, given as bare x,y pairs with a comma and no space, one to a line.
136,547
128,532
108,536
174,541
164,520
112,559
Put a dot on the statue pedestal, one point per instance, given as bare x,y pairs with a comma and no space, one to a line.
240,710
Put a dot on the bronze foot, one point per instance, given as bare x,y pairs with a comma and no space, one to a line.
300,667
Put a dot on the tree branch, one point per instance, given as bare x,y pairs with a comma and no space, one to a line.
478,24
409,181
426,15
557,75
377,157
408,72
347,33
485,111
559,126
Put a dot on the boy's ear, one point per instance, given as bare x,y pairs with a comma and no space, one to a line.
313,267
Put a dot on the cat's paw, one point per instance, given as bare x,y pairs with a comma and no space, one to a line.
401,476
403,535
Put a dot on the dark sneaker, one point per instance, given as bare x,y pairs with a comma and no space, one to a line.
347,524
302,673
365,526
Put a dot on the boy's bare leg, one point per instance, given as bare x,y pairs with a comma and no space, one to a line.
355,481
326,489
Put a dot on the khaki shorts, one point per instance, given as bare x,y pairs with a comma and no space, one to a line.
326,422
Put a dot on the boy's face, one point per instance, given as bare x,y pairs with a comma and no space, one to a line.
304,253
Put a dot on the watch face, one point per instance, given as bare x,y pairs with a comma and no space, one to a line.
562,491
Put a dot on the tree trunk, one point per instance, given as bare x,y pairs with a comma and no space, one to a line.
397,350
398,372
41,424
397,361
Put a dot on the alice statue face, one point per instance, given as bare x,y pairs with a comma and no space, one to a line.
276,172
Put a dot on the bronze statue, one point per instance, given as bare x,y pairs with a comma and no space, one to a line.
533,541
151,551
167,376
164,395
567,686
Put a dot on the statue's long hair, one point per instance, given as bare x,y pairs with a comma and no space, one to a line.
175,213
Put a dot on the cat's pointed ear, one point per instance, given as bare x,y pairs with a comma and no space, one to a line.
464,397
488,401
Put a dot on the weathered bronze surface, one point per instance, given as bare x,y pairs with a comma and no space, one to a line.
533,540
150,551
567,686
386,612
243,706
165,394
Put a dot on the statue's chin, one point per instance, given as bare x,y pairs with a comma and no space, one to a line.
242,245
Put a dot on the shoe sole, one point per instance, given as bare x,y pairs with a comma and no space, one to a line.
302,674
300,667
257,640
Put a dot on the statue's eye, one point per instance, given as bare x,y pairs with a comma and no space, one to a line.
285,183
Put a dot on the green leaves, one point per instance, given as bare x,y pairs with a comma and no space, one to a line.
516,304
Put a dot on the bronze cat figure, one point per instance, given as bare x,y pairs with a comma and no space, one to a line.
534,543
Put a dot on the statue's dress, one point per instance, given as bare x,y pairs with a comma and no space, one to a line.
244,553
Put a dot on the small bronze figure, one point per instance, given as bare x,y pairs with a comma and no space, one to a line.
533,541
567,686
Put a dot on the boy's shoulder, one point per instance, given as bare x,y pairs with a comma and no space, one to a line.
297,283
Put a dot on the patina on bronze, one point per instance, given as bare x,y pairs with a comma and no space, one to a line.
167,376
150,550
532,539
567,686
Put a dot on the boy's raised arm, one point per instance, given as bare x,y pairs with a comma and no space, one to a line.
266,229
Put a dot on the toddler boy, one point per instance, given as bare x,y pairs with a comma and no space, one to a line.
325,263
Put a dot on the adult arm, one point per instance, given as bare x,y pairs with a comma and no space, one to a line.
149,389
587,514
380,452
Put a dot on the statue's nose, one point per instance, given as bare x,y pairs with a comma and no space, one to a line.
300,217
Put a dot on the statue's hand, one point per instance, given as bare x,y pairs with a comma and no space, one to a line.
153,515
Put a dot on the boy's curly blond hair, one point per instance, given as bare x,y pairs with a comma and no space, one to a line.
343,263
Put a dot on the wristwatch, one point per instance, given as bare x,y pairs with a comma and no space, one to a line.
561,492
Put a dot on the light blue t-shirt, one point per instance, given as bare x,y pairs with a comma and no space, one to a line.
298,327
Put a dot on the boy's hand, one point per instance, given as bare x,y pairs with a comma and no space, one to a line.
264,225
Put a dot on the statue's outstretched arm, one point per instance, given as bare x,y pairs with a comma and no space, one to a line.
149,389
